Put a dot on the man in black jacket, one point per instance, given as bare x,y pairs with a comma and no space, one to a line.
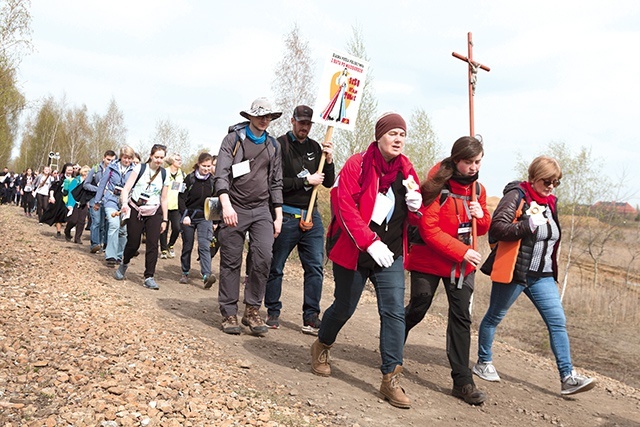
300,161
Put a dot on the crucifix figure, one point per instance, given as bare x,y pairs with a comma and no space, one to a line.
473,71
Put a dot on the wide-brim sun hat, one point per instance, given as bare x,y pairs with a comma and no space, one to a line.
261,107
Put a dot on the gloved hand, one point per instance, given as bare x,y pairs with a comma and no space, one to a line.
414,200
536,220
380,254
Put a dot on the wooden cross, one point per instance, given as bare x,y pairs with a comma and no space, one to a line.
473,71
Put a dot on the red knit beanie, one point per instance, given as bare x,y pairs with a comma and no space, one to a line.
387,122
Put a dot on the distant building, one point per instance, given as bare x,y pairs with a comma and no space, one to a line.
622,208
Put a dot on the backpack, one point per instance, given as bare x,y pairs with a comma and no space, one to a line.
143,167
412,231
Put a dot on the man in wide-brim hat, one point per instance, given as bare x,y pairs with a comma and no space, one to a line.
248,181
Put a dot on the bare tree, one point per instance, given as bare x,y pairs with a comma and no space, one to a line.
77,132
172,136
294,82
15,31
345,142
422,145
108,132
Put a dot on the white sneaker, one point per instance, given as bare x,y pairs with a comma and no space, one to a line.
575,383
486,371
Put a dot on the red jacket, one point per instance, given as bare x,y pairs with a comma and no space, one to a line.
439,230
352,206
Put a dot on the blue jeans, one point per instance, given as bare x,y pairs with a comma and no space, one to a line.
98,226
204,229
544,295
389,286
311,251
116,236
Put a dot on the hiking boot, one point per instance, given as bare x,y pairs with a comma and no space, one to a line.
111,262
391,390
311,325
486,371
320,364
150,283
95,249
230,325
67,237
119,274
273,321
208,281
253,320
164,254
171,254
469,393
184,279
575,383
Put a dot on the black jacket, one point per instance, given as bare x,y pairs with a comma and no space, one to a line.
503,228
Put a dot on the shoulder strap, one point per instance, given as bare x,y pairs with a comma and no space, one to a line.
446,192
143,166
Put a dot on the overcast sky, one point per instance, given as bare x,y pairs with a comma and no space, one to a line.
560,70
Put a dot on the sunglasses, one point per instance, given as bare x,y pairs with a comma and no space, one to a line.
268,117
548,182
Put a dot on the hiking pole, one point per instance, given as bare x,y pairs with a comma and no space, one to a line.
307,223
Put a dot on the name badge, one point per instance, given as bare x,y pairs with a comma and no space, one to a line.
240,169
381,209
464,233
178,186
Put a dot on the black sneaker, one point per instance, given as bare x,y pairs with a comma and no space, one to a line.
273,321
111,262
311,325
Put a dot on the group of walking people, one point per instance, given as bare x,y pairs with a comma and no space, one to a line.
385,221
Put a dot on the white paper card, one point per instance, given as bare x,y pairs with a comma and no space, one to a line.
381,209
240,169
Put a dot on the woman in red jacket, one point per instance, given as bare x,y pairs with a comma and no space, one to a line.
445,253
374,197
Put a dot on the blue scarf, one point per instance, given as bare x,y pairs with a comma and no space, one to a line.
254,138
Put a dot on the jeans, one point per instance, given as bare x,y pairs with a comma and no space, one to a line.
98,231
544,295
204,229
423,289
311,251
389,286
116,235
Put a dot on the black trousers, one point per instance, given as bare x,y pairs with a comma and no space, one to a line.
174,221
151,225
423,289
28,202
77,219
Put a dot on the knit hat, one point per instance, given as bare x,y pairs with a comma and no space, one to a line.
387,122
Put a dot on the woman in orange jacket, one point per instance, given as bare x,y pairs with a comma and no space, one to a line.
444,252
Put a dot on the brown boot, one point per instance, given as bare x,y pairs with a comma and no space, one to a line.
469,393
320,359
391,390
253,320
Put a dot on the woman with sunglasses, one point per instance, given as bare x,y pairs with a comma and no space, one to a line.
535,271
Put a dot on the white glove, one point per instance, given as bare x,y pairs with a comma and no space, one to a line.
537,220
414,200
380,254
